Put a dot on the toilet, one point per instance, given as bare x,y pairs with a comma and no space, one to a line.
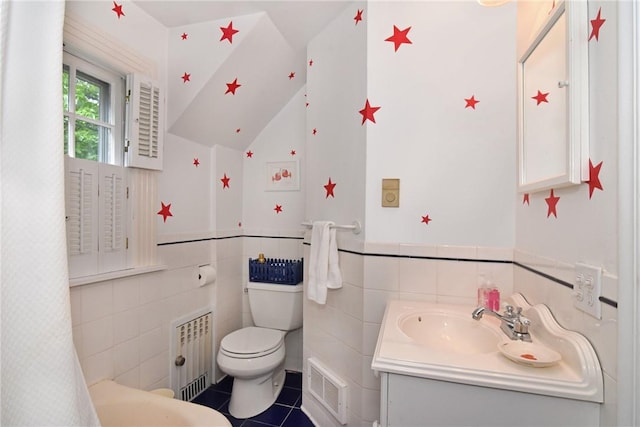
254,356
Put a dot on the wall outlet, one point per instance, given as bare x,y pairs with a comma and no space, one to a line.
587,288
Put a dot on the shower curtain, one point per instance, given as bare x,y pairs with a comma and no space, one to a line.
41,383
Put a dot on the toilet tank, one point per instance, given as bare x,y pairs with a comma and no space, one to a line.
276,306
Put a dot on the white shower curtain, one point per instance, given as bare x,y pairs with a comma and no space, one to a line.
41,383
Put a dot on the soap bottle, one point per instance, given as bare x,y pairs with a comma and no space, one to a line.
483,291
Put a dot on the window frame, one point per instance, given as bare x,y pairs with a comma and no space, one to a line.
114,154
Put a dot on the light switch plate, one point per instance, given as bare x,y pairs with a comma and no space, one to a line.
587,288
390,192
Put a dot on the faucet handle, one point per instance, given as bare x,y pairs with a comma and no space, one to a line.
521,325
508,311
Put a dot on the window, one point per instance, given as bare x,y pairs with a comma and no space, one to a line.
93,102
98,106
95,181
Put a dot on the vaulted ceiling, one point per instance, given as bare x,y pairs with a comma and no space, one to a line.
272,45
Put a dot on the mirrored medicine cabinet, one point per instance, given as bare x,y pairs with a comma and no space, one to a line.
553,102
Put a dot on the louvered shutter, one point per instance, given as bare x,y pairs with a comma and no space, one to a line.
81,197
112,218
144,123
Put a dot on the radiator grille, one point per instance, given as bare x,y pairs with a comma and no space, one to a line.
194,356
328,389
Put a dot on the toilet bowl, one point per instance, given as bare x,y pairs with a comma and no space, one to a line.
254,356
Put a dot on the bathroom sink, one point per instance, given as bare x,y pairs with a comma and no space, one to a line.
448,331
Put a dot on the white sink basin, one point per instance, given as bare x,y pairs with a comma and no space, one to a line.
443,342
448,331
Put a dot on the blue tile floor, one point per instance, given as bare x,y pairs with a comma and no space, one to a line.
285,412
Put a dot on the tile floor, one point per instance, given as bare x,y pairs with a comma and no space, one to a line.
285,412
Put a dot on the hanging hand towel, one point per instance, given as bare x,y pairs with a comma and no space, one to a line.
324,271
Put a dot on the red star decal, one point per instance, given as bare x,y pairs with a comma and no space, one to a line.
595,25
594,177
329,188
238,130
278,208
314,131
165,211
541,97
227,33
292,75
184,36
186,77
471,102
293,152
196,162
399,37
358,17
525,198
231,87
368,111
552,201
311,63
249,154
426,219
225,181
117,8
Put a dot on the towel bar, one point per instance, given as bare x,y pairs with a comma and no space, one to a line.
356,227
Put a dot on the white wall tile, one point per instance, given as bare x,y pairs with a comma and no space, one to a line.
97,336
381,273
126,325
126,356
97,301
152,344
153,370
418,275
126,294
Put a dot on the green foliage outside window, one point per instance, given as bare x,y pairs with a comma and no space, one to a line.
91,101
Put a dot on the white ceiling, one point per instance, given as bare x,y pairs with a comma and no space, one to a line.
298,20
289,26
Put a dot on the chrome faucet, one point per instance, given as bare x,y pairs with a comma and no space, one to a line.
512,323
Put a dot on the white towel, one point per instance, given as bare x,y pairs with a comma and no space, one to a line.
324,269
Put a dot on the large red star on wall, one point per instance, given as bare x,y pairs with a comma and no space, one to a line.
249,153
471,102
552,202
225,181
278,208
368,111
117,8
426,219
594,177
227,33
231,87
186,77
358,16
329,188
399,37
595,25
540,97
165,211
184,36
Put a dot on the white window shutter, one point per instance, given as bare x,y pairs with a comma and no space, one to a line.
144,123
112,218
81,199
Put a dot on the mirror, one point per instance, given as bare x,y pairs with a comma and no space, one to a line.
553,102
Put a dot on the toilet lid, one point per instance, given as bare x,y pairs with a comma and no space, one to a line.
252,342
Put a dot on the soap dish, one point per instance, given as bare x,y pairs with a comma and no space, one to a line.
530,354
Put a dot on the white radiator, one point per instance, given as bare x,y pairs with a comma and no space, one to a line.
193,370
330,390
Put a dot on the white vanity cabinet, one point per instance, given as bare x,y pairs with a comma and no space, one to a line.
408,401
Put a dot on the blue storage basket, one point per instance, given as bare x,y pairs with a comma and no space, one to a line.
280,271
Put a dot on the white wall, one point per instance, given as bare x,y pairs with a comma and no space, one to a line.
585,229
455,164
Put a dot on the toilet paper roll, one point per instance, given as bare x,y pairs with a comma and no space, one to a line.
206,275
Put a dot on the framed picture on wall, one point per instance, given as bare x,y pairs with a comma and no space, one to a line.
283,176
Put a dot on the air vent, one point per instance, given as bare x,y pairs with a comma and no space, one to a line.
328,389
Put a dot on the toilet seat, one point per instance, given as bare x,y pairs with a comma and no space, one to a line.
251,342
